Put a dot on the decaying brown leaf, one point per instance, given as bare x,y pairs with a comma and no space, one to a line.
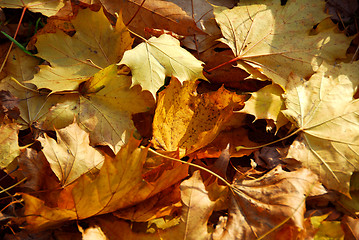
261,205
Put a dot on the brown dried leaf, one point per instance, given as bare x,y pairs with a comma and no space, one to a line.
260,205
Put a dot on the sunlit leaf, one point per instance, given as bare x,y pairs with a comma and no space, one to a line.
150,62
95,45
71,155
187,120
324,111
46,7
275,40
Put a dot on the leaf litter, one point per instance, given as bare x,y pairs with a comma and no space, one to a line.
87,161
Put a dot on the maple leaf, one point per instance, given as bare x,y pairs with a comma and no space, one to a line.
95,45
267,103
46,7
150,62
104,108
153,14
118,184
198,205
275,40
274,198
9,148
327,117
189,121
20,65
33,105
71,156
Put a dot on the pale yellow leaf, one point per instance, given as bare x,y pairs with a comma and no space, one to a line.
150,62
95,45
326,115
267,103
271,39
104,108
46,7
71,155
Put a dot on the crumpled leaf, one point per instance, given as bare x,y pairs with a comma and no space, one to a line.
71,155
327,117
259,205
119,184
104,109
187,120
9,148
150,62
275,40
95,45
46,7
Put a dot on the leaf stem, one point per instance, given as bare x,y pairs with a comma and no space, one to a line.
267,144
194,165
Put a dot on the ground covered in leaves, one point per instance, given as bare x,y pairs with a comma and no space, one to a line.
169,119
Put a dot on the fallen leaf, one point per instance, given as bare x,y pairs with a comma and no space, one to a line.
326,116
33,105
8,105
153,14
46,7
162,204
267,103
350,226
119,184
21,66
104,108
189,121
201,12
9,148
70,155
150,62
36,169
260,205
274,40
95,45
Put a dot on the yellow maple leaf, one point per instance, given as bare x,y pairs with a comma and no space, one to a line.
71,155
150,62
326,115
274,40
46,7
104,108
119,184
267,103
95,45
189,121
